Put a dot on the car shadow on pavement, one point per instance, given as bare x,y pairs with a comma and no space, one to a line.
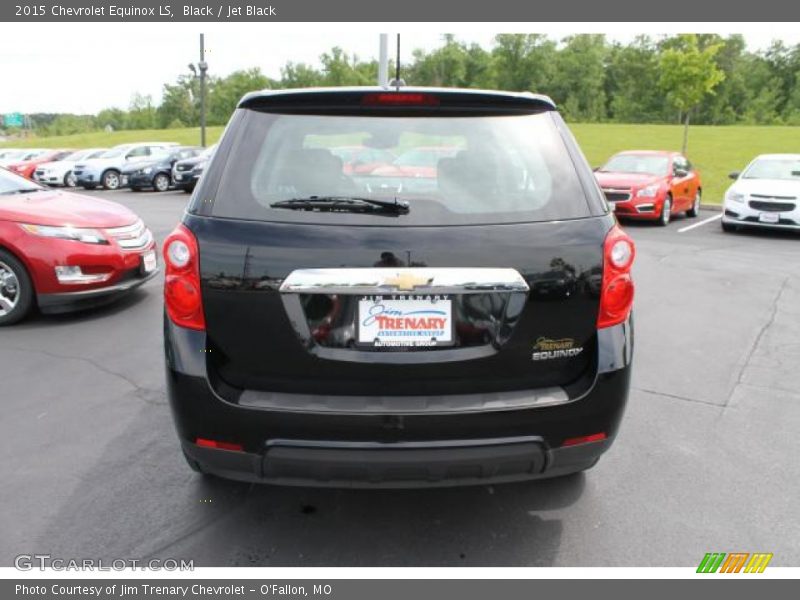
140,500
39,320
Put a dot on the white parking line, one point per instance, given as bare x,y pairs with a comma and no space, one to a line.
703,222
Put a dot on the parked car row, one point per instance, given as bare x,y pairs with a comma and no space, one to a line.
158,166
653,185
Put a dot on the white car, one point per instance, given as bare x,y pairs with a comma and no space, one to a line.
765,194
9,157
59,172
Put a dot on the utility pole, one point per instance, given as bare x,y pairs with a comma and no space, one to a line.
383,60
203,65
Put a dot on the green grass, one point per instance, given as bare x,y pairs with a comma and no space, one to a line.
101,139
715,151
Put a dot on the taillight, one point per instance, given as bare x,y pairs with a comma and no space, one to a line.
616,294
399,99
182,279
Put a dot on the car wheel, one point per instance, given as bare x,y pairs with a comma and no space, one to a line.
111,179
695,210
70,180
188,189
161,182
16,289
666,212
729,228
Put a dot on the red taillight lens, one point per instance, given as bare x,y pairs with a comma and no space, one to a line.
584,439
399,99
182,297
616,294
204,443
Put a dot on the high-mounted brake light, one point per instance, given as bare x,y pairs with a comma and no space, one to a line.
399,99
616,294
182,297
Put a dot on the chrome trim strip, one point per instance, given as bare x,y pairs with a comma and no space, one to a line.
413,280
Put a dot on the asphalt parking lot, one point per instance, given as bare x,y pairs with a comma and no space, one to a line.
707,458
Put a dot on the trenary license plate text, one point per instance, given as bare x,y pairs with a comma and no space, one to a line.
405,321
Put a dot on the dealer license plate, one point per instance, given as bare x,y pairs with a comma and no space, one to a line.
405,321
769,217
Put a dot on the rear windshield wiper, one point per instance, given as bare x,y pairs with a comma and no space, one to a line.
345,204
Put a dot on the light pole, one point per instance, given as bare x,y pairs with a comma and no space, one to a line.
202,66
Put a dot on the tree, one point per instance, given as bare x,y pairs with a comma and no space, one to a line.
142,113
178,102
632,82
523,62
688,75
579,85
224,94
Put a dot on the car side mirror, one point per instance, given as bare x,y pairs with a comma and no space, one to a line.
681,172
734,174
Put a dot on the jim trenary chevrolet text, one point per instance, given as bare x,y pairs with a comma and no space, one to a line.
389,329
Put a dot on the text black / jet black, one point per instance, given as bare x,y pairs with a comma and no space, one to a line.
403,287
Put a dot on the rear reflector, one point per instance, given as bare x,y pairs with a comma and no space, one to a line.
399,99
204,443
584,439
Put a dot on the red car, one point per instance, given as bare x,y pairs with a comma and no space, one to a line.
650,185
360,160
27,167
418,162
63,251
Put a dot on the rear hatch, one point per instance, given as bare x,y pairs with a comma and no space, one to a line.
475,272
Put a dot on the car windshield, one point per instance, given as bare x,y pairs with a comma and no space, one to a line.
11,183
78,155
113,153
31,154
645,164
774,168
448,169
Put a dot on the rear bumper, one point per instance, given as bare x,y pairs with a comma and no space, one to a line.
379,448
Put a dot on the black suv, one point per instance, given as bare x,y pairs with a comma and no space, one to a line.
460,316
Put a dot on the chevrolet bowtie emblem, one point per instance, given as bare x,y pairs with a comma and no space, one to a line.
407,281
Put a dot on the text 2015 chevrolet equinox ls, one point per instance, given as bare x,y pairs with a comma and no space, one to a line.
457,314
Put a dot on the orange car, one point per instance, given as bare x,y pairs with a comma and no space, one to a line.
650,185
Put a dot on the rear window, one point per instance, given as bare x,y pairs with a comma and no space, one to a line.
449,169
